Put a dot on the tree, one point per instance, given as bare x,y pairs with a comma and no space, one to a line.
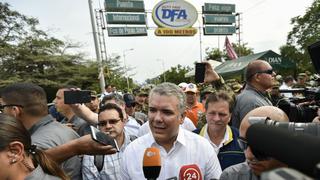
28,54
218,55
242,50
174,75
215,54
305,32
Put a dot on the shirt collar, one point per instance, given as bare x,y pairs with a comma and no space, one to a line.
180,138
42,122
228,136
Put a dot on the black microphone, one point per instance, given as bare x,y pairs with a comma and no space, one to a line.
190,172
151,163
300,152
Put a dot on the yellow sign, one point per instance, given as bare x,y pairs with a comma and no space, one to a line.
175,32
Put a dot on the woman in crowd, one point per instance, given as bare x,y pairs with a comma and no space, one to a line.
19,159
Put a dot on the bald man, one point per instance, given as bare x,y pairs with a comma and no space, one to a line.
259,78
252,168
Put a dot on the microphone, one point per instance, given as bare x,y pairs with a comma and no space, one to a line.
300,152
151,163
190,172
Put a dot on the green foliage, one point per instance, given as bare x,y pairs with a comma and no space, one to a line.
305,31
28,54
174,75
217,55
242,50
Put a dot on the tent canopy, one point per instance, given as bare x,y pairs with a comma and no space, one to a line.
237,67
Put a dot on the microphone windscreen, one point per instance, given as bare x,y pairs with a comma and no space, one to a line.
300,152
151,163
190,172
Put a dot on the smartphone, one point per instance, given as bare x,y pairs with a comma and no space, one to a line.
74,97
199,72
103,138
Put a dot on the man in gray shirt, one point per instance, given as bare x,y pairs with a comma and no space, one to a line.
28,103
253,167
259,78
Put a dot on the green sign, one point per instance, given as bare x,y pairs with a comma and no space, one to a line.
213,8
219,30
113,18
124,5
127,31
219,19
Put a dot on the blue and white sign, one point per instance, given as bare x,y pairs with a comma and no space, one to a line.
174,14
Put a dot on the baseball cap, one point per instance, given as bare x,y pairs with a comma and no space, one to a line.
191,88
129,100
302,75
183,85
93,93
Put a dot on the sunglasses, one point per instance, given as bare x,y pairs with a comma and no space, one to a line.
129,105
269,71
9,105
243,144
103,123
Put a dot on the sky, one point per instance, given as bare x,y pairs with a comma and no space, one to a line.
264,26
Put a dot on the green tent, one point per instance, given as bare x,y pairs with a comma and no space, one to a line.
236,68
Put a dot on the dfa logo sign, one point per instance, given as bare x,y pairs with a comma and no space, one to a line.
174,14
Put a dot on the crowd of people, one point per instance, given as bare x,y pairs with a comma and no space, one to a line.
190,126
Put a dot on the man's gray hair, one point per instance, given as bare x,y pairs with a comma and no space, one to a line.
170,89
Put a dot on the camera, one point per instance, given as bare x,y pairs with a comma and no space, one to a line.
297,111
297,128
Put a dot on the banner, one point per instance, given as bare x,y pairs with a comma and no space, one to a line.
230,51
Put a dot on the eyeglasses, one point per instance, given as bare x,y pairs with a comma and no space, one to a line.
242,143
129,105
269,71
103,123
2,106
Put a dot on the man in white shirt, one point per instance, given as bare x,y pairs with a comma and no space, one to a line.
178,147
287,85
111,122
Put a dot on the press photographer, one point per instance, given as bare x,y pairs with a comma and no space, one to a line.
304,109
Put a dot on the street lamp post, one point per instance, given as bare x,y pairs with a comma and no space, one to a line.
163,67
125,65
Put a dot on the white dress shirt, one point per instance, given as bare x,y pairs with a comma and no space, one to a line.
284,86
132,126
225,139
189,148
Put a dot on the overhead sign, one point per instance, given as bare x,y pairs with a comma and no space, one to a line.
175,32
127,31
113,18
174,14
219,19
213,8
219,30
124,5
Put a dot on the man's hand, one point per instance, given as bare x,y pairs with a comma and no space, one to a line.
86,145
210,75
80,146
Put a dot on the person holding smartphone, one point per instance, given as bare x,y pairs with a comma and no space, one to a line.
110,122
71,119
